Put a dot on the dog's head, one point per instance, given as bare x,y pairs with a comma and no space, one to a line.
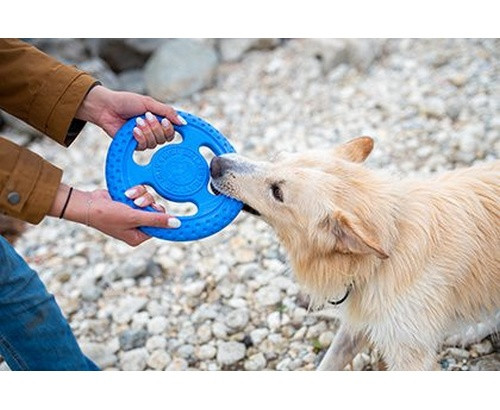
317,198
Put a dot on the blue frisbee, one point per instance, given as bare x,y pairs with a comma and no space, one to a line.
179,173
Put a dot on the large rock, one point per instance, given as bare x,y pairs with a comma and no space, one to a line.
233,49
179,68
126,53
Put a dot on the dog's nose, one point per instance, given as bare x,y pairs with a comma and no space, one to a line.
217,166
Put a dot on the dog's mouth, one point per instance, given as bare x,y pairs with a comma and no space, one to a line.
246,207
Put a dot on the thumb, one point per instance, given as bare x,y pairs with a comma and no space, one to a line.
156,219
164,110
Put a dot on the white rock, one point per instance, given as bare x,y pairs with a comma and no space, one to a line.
177,364
219,330
237,319
159,359
127,306
194,289
135,359
204,333
156,342
268,295
157,325
274,320
258,335
179,68
99,353
233,49
255,362
230,353
206,352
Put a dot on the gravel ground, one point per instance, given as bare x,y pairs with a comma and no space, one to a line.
230,301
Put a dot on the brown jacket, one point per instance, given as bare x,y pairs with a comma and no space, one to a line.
46,94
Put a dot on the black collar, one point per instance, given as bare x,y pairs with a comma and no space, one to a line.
338,302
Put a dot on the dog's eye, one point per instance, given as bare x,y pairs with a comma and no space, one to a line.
277,192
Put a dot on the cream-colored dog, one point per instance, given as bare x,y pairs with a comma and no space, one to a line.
405,262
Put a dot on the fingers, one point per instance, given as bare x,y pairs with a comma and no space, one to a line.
146,131
143,198
155,219
163,132
165,111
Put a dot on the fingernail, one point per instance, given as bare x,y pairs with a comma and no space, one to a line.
165,123
137,131
140,201
173,222
140,122
149,116
181,120
129,193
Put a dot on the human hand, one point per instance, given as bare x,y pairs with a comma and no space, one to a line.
111,109
98,210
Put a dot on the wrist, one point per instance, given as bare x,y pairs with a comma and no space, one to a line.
92,105
76,206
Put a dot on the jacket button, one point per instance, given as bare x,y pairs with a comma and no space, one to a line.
13,198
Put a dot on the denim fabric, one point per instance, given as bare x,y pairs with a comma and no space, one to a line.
34,335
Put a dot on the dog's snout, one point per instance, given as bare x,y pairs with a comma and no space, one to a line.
217,166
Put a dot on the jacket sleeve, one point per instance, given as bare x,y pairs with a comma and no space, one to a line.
46,94
28,183
42,91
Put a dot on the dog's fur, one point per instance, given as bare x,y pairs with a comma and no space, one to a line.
421,257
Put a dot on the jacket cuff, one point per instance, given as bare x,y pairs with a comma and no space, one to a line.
31,185
56,102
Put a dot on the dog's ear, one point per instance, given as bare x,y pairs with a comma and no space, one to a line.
352,236
356,150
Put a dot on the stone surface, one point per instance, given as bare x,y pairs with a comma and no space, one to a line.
179,68
230,353
432,98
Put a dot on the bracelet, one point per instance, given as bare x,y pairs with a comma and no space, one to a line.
66,203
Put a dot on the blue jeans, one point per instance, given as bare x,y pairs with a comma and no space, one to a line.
34,335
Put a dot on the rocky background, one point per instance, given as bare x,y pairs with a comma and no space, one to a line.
230,301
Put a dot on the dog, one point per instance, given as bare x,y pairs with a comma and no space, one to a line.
403,262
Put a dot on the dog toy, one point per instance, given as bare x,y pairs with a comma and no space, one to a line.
178,173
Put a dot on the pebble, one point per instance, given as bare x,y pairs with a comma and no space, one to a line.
268,295
156,342
127,307
157,325
230,353
258,335
159,359
237,319
206,352
131,339
135,359
255,362
99,353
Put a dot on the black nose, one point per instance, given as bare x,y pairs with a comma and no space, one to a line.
217,166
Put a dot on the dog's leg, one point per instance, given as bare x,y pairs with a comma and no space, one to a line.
342,350
412,358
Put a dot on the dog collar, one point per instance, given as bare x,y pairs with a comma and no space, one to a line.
338,302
